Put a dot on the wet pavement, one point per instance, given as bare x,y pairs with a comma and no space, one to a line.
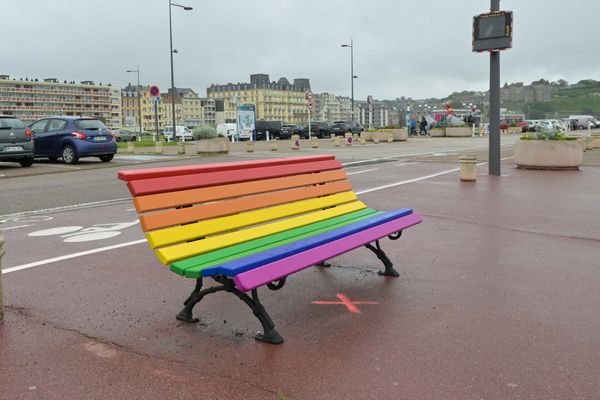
497,299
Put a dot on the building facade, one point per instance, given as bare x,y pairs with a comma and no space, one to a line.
279,100
379,117
30,99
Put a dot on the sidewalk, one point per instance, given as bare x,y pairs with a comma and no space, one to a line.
498,299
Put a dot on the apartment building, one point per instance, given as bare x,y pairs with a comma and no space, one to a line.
274,100
32,99
329,107
379,117
130,109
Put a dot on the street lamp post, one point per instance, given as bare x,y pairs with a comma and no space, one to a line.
186,8
139,98
352,76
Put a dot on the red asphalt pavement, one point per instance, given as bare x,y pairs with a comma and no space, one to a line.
498,299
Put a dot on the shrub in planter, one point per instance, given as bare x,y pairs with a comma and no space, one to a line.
204,132
548,150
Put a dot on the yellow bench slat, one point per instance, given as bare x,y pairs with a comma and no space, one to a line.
183,233
168,255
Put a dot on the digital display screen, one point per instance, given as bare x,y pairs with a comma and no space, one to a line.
492,27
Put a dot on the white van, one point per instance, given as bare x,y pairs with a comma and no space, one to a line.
230,130
582,120
182,133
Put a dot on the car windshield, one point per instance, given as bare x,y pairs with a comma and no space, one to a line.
11,123
90,124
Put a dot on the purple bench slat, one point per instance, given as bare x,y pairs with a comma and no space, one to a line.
278,269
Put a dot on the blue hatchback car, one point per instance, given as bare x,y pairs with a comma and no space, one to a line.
71,138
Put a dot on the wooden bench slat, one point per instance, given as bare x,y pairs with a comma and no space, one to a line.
193,266
202,212
170,254
147,173
197,230
153,202
191,181
278,269
244,264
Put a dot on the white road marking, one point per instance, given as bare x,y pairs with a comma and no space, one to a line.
362,172
67,208
408,181
14,227
69,256
60,166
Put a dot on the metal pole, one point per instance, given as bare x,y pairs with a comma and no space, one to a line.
352,77
156,119
309,133
1,254
172,74
494,140
139,94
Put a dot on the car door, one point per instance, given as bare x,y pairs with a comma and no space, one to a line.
40,142
54,135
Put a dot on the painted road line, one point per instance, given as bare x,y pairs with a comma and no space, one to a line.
59,166
67,208
14,227
408,181
362,172
69,256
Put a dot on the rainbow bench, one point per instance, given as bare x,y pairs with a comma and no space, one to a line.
254,223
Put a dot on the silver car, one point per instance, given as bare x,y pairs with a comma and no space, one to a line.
16,141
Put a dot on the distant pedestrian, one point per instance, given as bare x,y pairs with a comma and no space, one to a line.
590,125
423,126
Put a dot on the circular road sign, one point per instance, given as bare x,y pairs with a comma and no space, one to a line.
309,104
309,95
154,91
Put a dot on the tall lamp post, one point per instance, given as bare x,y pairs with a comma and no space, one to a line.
139,98
173,94
352,76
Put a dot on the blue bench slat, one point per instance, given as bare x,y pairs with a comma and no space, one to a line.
244,264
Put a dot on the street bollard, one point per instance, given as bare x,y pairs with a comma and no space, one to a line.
348,139
468,167
332,136
274,145
390,138
363,140
250,146
337,142
158,147
130,147
315,143
295,142
1,254
268,137
375,137
180,148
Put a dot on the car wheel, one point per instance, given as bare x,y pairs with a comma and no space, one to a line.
134,139
118,139
26,162
69,155
106,157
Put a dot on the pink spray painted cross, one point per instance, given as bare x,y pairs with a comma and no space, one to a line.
350,305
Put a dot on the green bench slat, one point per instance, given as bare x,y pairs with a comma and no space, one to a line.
193,266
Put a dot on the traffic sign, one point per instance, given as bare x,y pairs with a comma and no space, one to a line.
154,91
309,104
369,99
309,95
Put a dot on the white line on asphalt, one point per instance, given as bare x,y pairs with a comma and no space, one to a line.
69,256
14,227
67,208
408,181
60,166
361,172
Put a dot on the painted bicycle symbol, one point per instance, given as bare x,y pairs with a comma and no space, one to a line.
75,234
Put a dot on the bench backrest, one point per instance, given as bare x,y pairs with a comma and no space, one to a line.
191,210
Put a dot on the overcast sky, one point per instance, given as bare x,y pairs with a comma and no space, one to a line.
412,48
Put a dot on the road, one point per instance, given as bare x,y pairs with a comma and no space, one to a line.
497,297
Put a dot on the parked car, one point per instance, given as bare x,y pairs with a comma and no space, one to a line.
16,142
71,138
123,135
288,130
182,133
318,129
342,127
274,128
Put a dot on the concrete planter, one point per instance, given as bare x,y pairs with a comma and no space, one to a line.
459,131
437,133
595,140
217,145
548,154
368,136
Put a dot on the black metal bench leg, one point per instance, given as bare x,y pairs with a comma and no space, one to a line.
389,267
193,299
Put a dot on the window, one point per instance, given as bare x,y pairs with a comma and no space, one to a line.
56,125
